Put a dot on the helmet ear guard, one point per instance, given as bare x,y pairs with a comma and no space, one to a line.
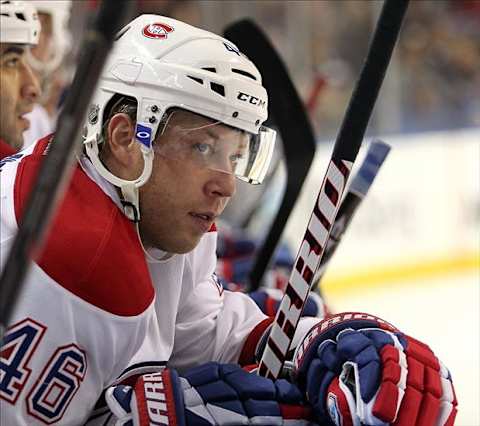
143,135
163,63
128,188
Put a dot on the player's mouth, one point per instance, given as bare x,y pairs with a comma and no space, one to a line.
24,122
203,220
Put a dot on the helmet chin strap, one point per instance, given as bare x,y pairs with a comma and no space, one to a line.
161,256
128,188
130,201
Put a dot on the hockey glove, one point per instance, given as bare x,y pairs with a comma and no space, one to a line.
358,369
211,394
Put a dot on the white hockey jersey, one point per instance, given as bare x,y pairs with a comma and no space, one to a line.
95,311
41,125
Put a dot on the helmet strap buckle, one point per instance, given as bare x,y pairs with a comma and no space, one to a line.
130,211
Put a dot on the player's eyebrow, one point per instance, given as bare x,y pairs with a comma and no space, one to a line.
12,49
216,136
212,134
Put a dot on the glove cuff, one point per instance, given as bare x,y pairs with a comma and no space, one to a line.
328,329
159,399
305,325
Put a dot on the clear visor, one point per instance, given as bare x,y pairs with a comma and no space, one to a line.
213,145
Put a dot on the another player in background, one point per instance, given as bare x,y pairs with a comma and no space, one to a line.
19,88
47,61
124,297
236,253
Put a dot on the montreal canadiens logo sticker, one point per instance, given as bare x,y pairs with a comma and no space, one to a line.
157,30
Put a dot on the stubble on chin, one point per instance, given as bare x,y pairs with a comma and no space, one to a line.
174,243
17,143
9,132
12,138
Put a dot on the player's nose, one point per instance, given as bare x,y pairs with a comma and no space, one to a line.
221,184
30,86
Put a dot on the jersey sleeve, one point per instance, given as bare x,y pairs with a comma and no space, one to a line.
213,324
83,310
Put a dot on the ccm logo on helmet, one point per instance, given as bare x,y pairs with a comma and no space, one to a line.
245,97
157,30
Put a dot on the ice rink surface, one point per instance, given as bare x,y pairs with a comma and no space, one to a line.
444,312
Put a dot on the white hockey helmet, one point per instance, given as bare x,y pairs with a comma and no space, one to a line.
19,22
61,41
163,63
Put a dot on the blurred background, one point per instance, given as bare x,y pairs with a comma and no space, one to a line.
435,79
412,254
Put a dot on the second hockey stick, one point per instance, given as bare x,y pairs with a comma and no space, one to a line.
288,114
361,183
323,216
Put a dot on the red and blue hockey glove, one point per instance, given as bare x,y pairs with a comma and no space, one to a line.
358,369
211,394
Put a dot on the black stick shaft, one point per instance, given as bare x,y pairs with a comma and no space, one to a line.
370,81
288,114
345,151
56,168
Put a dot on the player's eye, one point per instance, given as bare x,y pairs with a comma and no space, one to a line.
12,62
236,158
203,148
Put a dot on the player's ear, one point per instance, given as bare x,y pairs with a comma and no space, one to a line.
124,154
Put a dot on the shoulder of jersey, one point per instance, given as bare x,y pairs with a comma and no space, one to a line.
5,150
92,249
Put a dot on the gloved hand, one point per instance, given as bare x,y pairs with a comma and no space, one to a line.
211,394
358,369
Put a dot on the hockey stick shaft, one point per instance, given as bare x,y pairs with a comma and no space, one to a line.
323,216
288,114
358,189
56,168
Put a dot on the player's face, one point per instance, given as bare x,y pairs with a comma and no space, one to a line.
18,91
182,198
43,50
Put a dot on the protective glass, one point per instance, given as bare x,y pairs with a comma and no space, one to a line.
196,139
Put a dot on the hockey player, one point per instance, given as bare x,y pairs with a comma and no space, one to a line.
123,297
19,29
47,61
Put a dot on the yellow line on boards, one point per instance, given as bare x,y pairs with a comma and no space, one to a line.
381,276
